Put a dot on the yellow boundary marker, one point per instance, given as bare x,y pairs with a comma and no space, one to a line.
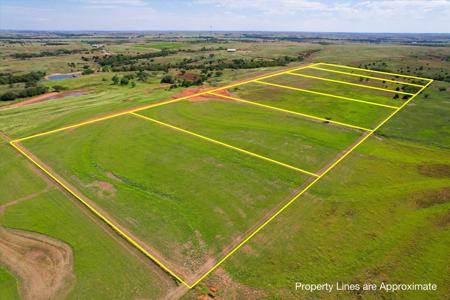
290,112
140,248
350,83
374,71
225,145
366,76
325,94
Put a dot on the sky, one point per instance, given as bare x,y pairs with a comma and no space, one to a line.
234,15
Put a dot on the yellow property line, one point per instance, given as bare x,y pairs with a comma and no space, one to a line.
290,112
350,83
366,76
155,105
225,145
324,94
308,186
374,71
98,214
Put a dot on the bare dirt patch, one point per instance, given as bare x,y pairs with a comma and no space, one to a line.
431,198
207,97
434,170
43,265
222,286
102,188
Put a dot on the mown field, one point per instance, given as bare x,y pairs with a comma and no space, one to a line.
141,174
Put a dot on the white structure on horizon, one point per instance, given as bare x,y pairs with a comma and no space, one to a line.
231,50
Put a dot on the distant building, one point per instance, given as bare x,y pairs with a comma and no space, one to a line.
231,50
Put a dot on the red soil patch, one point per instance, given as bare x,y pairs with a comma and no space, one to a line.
205,97
188,76
44,97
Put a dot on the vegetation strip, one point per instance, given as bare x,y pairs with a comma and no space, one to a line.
350,83
140,248
290,111
366,76
324,94
224,144
379,72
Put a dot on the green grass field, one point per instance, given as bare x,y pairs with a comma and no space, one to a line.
8,285
138,172
380,216
371,232
337,89
161,45
353,113
370,82
290,139
97,253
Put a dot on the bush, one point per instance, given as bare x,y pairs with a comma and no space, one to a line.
28,92
58,88
167,79
124,81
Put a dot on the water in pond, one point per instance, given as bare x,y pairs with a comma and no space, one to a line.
61,76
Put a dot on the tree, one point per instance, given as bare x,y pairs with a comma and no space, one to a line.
133,84
124,81
58,88
167,79
115,79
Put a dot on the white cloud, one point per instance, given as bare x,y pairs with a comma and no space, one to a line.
271,15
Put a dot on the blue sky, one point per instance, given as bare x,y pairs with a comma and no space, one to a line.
271,15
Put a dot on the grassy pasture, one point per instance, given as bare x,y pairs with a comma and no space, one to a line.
337,89
371,232
101,98
145,175
16,179
303,143
359,80
8,285
354,113
381,75
162,45
98,257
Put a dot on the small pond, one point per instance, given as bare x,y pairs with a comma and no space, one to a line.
62,76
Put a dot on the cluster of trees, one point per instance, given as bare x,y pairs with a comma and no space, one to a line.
129,78
32,77
27,92
57,52
127,63
176,81
122,62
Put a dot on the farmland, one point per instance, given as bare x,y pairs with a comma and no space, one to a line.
207,185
